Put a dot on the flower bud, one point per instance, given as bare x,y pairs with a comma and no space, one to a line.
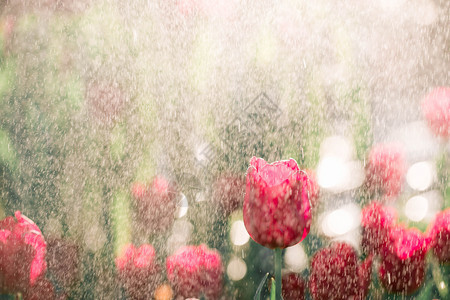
337,274
439,235
436,109
376,223
138,271
402,268
385,170
276,207
196,270
22,254
293,287
228,193
156,204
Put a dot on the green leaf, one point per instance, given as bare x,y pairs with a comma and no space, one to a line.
273,290
260,287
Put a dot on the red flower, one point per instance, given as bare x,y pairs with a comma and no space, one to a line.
196,270
385,169
139,191
439,234
376,222
293,287
337,274
229,193
436,109
276,206
105,101
138,271
22,254
42,290
310,182
155,203
402,268
62,257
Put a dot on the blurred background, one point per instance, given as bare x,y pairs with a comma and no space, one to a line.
96,96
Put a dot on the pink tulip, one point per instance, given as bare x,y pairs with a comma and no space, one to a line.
196,270
138,271
22,254
385,170
276,206
436,109
402,268
439,234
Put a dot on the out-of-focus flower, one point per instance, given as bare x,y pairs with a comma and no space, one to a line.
277,211
196,270
337,274
376,222
439,235
402,268
293,287
139,190
62,257
22,254
105,101
138,271
385,170
228,193
42,290
312,187
436,109
156,204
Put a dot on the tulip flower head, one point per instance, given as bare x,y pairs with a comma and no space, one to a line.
277,212
42,290
156,204
337,274
385,170
293,286
194,271
402,268
228,193
439,235
312,187
376,222
22,254
436,109
138,271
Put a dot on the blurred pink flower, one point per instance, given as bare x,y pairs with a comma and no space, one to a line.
138,271
310,182
439,235
42,290
276,207
337,274
376,222
196,270
22,254
385,170
402,268
105,101
436,109
228,193
156,204
293,286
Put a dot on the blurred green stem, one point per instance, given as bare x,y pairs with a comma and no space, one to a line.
438,278
278,263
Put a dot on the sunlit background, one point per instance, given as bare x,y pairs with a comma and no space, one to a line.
98,95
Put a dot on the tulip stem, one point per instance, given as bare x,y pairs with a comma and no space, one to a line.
278,262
